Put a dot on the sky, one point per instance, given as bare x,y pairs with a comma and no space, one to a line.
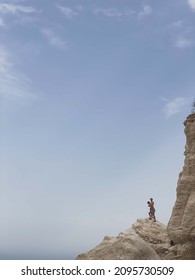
93,95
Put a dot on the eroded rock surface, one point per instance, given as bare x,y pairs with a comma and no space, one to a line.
181,226
145,240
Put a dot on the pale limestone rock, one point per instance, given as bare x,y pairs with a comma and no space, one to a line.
183,251
155,234
145,240
181,226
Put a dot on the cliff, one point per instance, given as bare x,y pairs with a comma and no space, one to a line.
147,240
181,226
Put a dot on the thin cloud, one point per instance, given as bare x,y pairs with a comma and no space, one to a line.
69,12
175,106
108,12
129,12
1,22
177,25
147,10
15,9
181,34
53,39
164,99
192,4
12,83
183,43
114,13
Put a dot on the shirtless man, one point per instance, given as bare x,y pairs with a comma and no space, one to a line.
152,210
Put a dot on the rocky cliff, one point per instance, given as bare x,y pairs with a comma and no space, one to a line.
148,240
145,240
181,226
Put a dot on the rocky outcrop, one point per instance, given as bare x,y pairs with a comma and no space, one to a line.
154,234
145,240
181,226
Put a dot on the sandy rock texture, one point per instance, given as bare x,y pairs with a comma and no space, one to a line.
145,240
148,240
181,226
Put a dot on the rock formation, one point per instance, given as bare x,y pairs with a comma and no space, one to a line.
147,240
181,226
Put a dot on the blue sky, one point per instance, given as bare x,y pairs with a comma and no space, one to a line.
93,95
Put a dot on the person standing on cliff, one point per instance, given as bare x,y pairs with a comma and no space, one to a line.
152,210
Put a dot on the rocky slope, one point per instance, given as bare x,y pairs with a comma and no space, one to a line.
147,240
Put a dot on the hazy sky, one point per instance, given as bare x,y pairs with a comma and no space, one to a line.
93,95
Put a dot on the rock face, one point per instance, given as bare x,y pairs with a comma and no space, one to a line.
145,240
181,226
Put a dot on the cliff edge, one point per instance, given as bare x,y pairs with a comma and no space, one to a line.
148,240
